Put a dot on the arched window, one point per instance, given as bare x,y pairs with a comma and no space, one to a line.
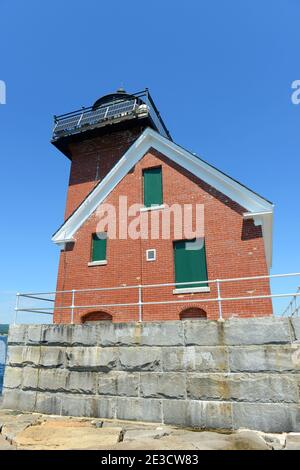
193,313
96,316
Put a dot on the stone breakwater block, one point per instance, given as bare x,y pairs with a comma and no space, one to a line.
261,359
35,334
203,333
119,334
92,358
13,377
162,385
17,334
19,400
267,330
76,405
198,414
61,335
243,387
59,380
139,409
162,334
144,358
267,417
118,383
295,322
295,356
195,358
36,356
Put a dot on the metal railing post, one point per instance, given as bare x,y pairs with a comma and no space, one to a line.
16,307
140,304
72,306
219,299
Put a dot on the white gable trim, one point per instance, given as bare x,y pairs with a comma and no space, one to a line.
252,202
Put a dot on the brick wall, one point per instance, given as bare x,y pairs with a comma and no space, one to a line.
234,247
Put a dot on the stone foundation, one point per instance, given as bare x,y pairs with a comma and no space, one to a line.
201,374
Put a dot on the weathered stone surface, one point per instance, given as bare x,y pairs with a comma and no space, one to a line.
268,417
48,403
5,445
162,334
295,324
62,380
195,358
17,334
92,358
128,384
293,441
36,356
13,377
265,330
35,334
139,409
15,399
85,335
142,371
70,437
30,378
260,359
119,334
141,434
18,424
118,383
198,414
60,335
203,333
243,387
295,356
163,385
145,359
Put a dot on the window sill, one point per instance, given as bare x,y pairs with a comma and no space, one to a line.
98,263
152,208
191,290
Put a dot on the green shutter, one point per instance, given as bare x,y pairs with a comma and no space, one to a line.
99,247
153,186
190,265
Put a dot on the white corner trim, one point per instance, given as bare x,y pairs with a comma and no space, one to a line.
251,201
191,290
152,208
98,263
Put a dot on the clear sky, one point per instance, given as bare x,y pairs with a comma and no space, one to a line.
220,73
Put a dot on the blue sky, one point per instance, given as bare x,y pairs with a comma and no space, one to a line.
220,73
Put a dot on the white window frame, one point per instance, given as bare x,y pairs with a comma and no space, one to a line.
153,250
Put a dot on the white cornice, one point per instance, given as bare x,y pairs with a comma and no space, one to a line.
251,201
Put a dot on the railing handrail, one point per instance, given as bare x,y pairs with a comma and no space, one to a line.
170,284
140,302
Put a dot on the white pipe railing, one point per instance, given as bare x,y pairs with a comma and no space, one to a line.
140,303
293,307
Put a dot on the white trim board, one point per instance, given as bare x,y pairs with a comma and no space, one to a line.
261,209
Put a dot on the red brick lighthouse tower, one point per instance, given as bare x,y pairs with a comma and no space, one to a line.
120,147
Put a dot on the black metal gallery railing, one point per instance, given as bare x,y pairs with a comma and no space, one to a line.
137,105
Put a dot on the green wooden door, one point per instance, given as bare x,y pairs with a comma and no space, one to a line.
190,264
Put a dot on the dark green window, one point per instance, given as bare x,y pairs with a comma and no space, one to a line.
99,242
190,263
153,195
